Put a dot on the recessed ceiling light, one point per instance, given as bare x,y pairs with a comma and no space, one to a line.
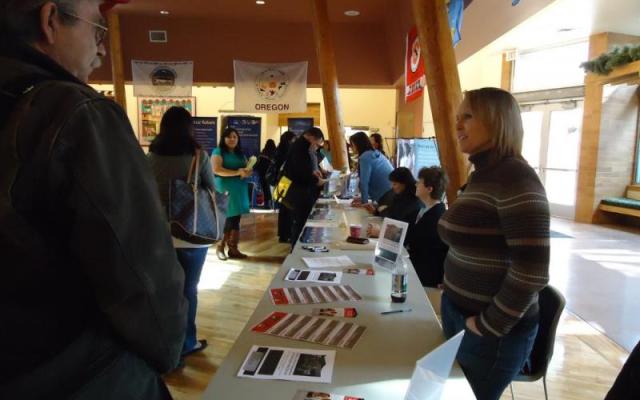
566,29
261,2
164,12
352,13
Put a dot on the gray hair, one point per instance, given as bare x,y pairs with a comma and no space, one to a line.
20,19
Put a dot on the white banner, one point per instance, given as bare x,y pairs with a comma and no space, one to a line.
162,78
270,88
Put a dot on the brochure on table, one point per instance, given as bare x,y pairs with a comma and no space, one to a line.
313,294
305,275
390,243
317,330
311,395
432,371
284,363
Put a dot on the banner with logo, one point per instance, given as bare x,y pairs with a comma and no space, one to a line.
270,88
456,8
162,78
205,132
414,78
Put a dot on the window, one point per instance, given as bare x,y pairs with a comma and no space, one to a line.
550,68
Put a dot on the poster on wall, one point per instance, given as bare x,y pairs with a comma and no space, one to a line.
414,78
151,110
162,78
416,154
299,125
205,132
270,88
249,129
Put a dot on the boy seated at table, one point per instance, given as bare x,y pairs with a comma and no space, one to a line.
399,203
426,250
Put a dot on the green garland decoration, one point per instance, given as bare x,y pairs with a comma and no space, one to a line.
605,63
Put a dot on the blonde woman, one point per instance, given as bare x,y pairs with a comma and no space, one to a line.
498,235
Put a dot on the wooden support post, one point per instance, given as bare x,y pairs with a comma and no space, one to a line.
329,79
590,141
443,84
117,59
507,73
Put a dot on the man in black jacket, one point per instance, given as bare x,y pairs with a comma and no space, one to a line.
91,303
303,170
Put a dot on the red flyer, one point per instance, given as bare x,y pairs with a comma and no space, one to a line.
279,297
270,322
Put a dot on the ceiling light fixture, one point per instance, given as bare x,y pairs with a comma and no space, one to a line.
561,30
352,13
260,2
164,12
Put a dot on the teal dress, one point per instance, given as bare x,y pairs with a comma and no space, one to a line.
236,187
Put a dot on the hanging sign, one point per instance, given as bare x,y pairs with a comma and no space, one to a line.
160,78
270,88
414,78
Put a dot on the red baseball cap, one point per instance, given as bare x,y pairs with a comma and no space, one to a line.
109,4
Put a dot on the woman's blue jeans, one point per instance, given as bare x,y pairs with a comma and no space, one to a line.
489,363
192,261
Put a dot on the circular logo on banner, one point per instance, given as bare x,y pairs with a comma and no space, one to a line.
163,78
415,54
271,84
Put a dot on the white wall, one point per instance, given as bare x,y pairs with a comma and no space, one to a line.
480,70
375,108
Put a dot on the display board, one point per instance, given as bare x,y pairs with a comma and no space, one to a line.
299,125
205,132
417,153
151,110
249,129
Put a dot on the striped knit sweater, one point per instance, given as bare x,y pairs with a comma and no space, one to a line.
498,236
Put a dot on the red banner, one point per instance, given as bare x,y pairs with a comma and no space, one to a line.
413,68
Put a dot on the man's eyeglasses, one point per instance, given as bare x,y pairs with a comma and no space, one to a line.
101,30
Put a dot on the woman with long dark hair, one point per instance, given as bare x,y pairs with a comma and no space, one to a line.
229,165
265,160
170,156
373,169
377,143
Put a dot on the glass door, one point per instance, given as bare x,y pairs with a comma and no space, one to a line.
551,145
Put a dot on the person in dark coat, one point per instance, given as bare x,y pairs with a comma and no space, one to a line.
426,249
284,214
399,203
91,293
265,160
302,168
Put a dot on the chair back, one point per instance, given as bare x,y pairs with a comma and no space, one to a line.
551,303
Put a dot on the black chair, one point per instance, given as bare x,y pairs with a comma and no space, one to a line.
551,303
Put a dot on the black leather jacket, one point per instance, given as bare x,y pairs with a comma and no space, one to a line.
90,288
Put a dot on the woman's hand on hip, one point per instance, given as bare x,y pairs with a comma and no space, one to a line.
471,325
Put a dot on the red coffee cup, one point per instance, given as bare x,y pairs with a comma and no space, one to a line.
355,230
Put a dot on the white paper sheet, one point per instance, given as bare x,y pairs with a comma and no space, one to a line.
284,363
303,275
432,371
328,262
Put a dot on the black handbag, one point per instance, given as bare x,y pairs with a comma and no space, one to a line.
194,215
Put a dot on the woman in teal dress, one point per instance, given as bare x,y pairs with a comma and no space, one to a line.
229,165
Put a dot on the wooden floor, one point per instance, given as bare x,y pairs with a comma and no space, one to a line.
584,365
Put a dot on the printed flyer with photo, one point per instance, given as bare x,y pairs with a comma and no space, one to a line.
390,243
288,364
359,271
311,395
335,312
301,275
311,329
313,294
